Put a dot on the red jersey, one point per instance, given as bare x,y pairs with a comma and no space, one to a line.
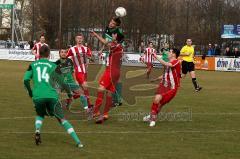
36,48
113,61
172,75
79,57
149,55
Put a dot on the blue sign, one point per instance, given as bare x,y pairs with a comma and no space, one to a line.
230,31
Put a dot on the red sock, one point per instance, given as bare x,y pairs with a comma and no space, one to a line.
86,93
154,111
98,102
108,105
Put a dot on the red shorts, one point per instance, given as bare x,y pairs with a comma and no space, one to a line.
109,80
81,77
149,65
167,93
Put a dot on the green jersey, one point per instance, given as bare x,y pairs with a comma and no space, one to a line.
109,31
40,72
108,37
165,55
66,69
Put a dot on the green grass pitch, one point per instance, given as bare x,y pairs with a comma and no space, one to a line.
209,129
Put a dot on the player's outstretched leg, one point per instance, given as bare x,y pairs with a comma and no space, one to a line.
99,101
108,105
152,118
69,128
38,125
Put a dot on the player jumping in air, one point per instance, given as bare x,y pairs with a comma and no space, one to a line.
66,69
187,54
37,46
44,96
79,54
110,76
114,26
168,87
148,58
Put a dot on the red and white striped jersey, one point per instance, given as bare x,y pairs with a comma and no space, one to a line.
79,57
36,48
149,55
172,75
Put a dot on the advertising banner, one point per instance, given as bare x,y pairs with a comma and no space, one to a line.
6,4
227,64
3,54
230,31
205,64
24,55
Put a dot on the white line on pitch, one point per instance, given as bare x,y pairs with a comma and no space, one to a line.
121,114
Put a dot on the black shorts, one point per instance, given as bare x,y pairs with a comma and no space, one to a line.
187,67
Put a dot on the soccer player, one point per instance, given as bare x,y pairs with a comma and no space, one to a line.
37,46
148,57
79,54
114,26
66,69
164,52
168,87
110,76
44,96
187,54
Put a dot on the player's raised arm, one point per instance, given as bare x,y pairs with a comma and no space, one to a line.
102,40
26,79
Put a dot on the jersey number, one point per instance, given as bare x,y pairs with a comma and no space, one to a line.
42,74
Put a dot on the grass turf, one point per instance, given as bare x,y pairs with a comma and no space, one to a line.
209,129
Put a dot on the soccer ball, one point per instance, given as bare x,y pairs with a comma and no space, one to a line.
120,12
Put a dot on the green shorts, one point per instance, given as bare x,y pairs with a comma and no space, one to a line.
73,86
49,107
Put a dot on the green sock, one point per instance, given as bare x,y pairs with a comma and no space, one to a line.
114,97
83,100
38,123
119,92
68,127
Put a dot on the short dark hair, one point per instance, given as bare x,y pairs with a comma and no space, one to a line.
176,52
150,42
44,51
61,50
117,20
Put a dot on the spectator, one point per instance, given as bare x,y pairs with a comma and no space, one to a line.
27,46
9,43
31,44
216,50
141,47
236,53
228,52
210,50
